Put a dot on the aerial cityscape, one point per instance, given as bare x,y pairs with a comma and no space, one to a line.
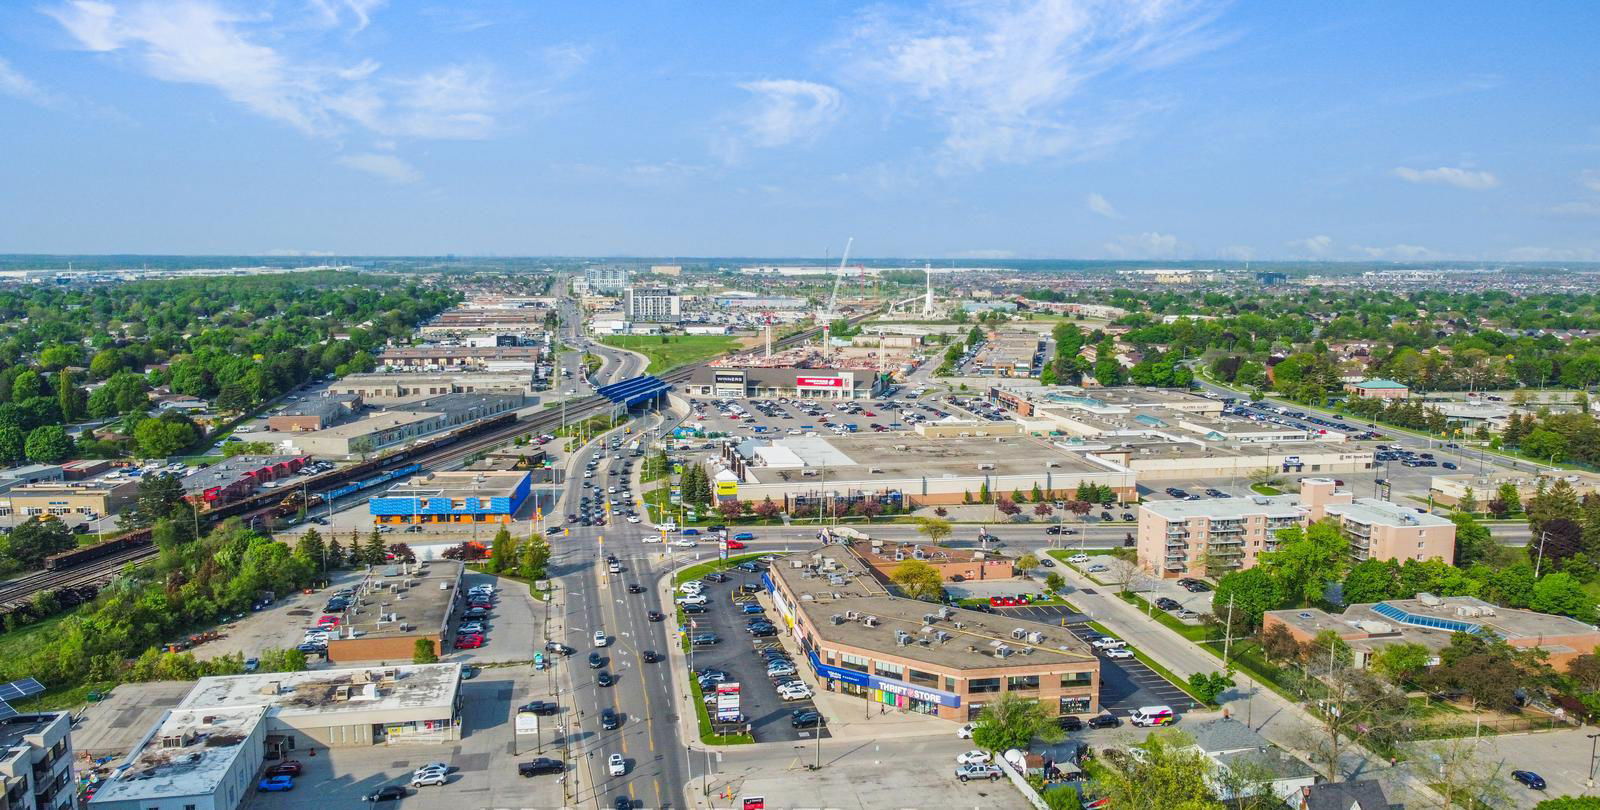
1055,404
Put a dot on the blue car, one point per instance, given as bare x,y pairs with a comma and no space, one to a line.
1529,778
751,607
744,536
276,783
690,532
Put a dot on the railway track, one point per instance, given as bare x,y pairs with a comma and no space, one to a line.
19,592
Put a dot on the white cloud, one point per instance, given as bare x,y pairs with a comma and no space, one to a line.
789,111
16,85
388,167
1450,176
202,42
1581,209
1397,252
1147,245
1000,75
1590,178
1318,245
1102,206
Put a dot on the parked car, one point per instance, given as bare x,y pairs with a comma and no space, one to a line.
388,793
274,784
1105,721
1071,722
973,757
806,718
1529,778
539,707
542,765
984,771
1119,652
288,767
429,778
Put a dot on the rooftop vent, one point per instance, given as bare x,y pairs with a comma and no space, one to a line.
870,621
836,619
1019,633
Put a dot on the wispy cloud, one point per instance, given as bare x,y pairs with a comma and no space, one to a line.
788,111
1319,245
247,58
1002,76
18,86
1148,245
388,167
1590,179
1579,209
1469,179
1397,252
1102,206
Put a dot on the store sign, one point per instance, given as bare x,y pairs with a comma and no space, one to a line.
527,723
728,488
724,378
915,692
819,382
849,676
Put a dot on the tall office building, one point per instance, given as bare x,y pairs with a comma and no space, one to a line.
654,305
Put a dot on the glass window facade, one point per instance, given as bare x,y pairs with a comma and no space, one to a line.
1022,683
1074,679
855,662
921,678
884,669
978,686
1075,705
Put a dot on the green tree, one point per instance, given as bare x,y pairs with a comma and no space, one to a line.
1028,561
501,552
1473,540
1253,592
1562,594
1469,502
1013,722
1401,663
1307,559
1054,583
26,386
1208,686
1569,803
160,438
1508,499
69,397
918,580
422,652
935,529
375,552
1170,772
36,538
312,549
12,445
532,558
1371,580
48,444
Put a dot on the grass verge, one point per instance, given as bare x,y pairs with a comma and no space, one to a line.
701,569
668,353
708,736
1263,489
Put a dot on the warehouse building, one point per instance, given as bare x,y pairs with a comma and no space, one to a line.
1188,538
793,383
233,478
404,602
454,496
316,413
35,759
461,358
422,417
1167,457
97,498
941,661
911,470
206,753
953,564
397,388
1450,489
32,474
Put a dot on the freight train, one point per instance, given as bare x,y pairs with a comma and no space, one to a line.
332,484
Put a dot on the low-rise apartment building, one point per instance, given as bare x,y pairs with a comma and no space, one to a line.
1211,537
36,761
937,660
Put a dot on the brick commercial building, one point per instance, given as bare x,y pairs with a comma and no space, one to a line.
404,387
233,478
772,383
454,496
316,413
402,603
1431,620
1179,538
1379,389
918,656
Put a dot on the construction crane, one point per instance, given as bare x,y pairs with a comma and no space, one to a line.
827,315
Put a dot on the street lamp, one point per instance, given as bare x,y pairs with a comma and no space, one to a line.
1593,738
1543,536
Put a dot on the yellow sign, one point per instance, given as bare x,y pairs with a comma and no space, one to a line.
727,488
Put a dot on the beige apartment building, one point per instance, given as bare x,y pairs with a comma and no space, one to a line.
918,656
1212,537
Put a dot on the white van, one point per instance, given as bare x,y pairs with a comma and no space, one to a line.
1148,716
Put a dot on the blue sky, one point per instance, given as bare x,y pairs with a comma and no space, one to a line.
1068,129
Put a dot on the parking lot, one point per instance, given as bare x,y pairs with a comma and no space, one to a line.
1126,683
736,655
515,624
483,763
774,417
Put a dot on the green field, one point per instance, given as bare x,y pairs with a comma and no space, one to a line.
678,350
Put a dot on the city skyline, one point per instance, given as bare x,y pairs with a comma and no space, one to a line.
1066,130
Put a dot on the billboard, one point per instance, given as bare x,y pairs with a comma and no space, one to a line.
728,378
728,488
819,382
527,723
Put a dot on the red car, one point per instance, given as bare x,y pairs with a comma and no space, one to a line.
328,621
868,413
288,767
735,544
469,642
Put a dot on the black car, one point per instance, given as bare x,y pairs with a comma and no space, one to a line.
539,707
596,660
806,718
558,647
1053,530
1071,722
386,794
716,576
622,802
1105,721
634,587
1047,562
604,679
692,608
541,765
703,639
609,719
1167,604
1529,778
764,632
655,615
650,656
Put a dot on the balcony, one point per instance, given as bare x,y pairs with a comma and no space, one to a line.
1357,529
1226,552
1176,566
1226,541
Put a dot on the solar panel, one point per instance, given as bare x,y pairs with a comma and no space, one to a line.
27,687
6,711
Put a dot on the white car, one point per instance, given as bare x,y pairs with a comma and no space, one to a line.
616,765
973,757
600,638
427,778
692,586
1119,652
635,519
684,542
649,538
795,693
431,766
965,731
1078,558
692,599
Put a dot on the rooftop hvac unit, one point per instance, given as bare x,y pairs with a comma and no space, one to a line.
902,638
947,612
1429,599
1036,637
958,625
836,619
917,554
899,555
806,597
941,636
1027,651
1019,633
984,466
1003,651
870,621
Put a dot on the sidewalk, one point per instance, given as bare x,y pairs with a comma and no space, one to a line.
1282,722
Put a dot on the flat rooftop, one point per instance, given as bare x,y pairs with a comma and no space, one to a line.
1375,512
1432,623
328,691
1272,506
899,456
188,754
1138,449
14,730
388,420
459,484
1234,425
949,637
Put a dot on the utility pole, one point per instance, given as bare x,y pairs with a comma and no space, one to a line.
1227,637
1543,536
